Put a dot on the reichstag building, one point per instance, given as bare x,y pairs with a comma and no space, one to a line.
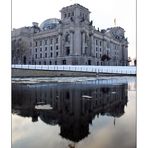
71,40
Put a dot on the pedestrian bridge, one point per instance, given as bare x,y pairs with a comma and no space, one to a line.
129,70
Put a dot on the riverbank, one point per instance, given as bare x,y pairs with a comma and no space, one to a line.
52,73
88,80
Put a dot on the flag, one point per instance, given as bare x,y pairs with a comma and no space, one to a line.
115,21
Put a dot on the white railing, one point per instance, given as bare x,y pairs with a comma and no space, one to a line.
83,68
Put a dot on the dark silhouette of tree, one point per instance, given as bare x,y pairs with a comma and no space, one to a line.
135,62
91,23
129,60
19,48
105,57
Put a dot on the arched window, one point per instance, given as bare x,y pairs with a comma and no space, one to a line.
67,38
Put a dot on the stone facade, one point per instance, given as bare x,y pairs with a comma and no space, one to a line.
71,40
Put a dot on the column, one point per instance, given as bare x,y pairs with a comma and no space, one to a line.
91,49
77,41
71,43
92,46
54,50
83,43
60,43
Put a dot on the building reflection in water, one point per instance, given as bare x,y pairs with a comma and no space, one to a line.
72,109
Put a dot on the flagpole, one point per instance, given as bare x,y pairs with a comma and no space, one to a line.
115,22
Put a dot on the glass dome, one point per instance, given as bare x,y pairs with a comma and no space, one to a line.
49,24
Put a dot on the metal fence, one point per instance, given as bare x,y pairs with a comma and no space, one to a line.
82,68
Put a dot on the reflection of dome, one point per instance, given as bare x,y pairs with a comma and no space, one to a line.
49,24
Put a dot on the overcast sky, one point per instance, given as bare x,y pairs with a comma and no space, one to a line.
103,13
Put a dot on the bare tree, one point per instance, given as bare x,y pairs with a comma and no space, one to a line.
135,62
105,57
19,48
129,60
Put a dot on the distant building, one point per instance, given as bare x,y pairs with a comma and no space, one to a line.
71,40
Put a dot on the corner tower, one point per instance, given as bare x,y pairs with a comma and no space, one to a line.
75,13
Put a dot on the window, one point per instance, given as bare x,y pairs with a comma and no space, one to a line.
45,55
100,43
85,50
64,62
36,56
50,62
57,48
36,49
40,55
44,62
51,41
51,48
100,49
96,42
65,15
45,42
67,51
36,43
51,54
56,53
40,43
67,38
89,62
100,55
96,48
40,49
39,62
45,48
72,13
96,55
56,40
55,62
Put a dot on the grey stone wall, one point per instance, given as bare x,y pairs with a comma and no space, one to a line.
75,40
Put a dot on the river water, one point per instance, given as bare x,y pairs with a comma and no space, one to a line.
99,113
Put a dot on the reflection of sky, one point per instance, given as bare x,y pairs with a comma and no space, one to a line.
103,133
26,134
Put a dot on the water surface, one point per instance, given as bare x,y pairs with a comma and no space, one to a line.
92,114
